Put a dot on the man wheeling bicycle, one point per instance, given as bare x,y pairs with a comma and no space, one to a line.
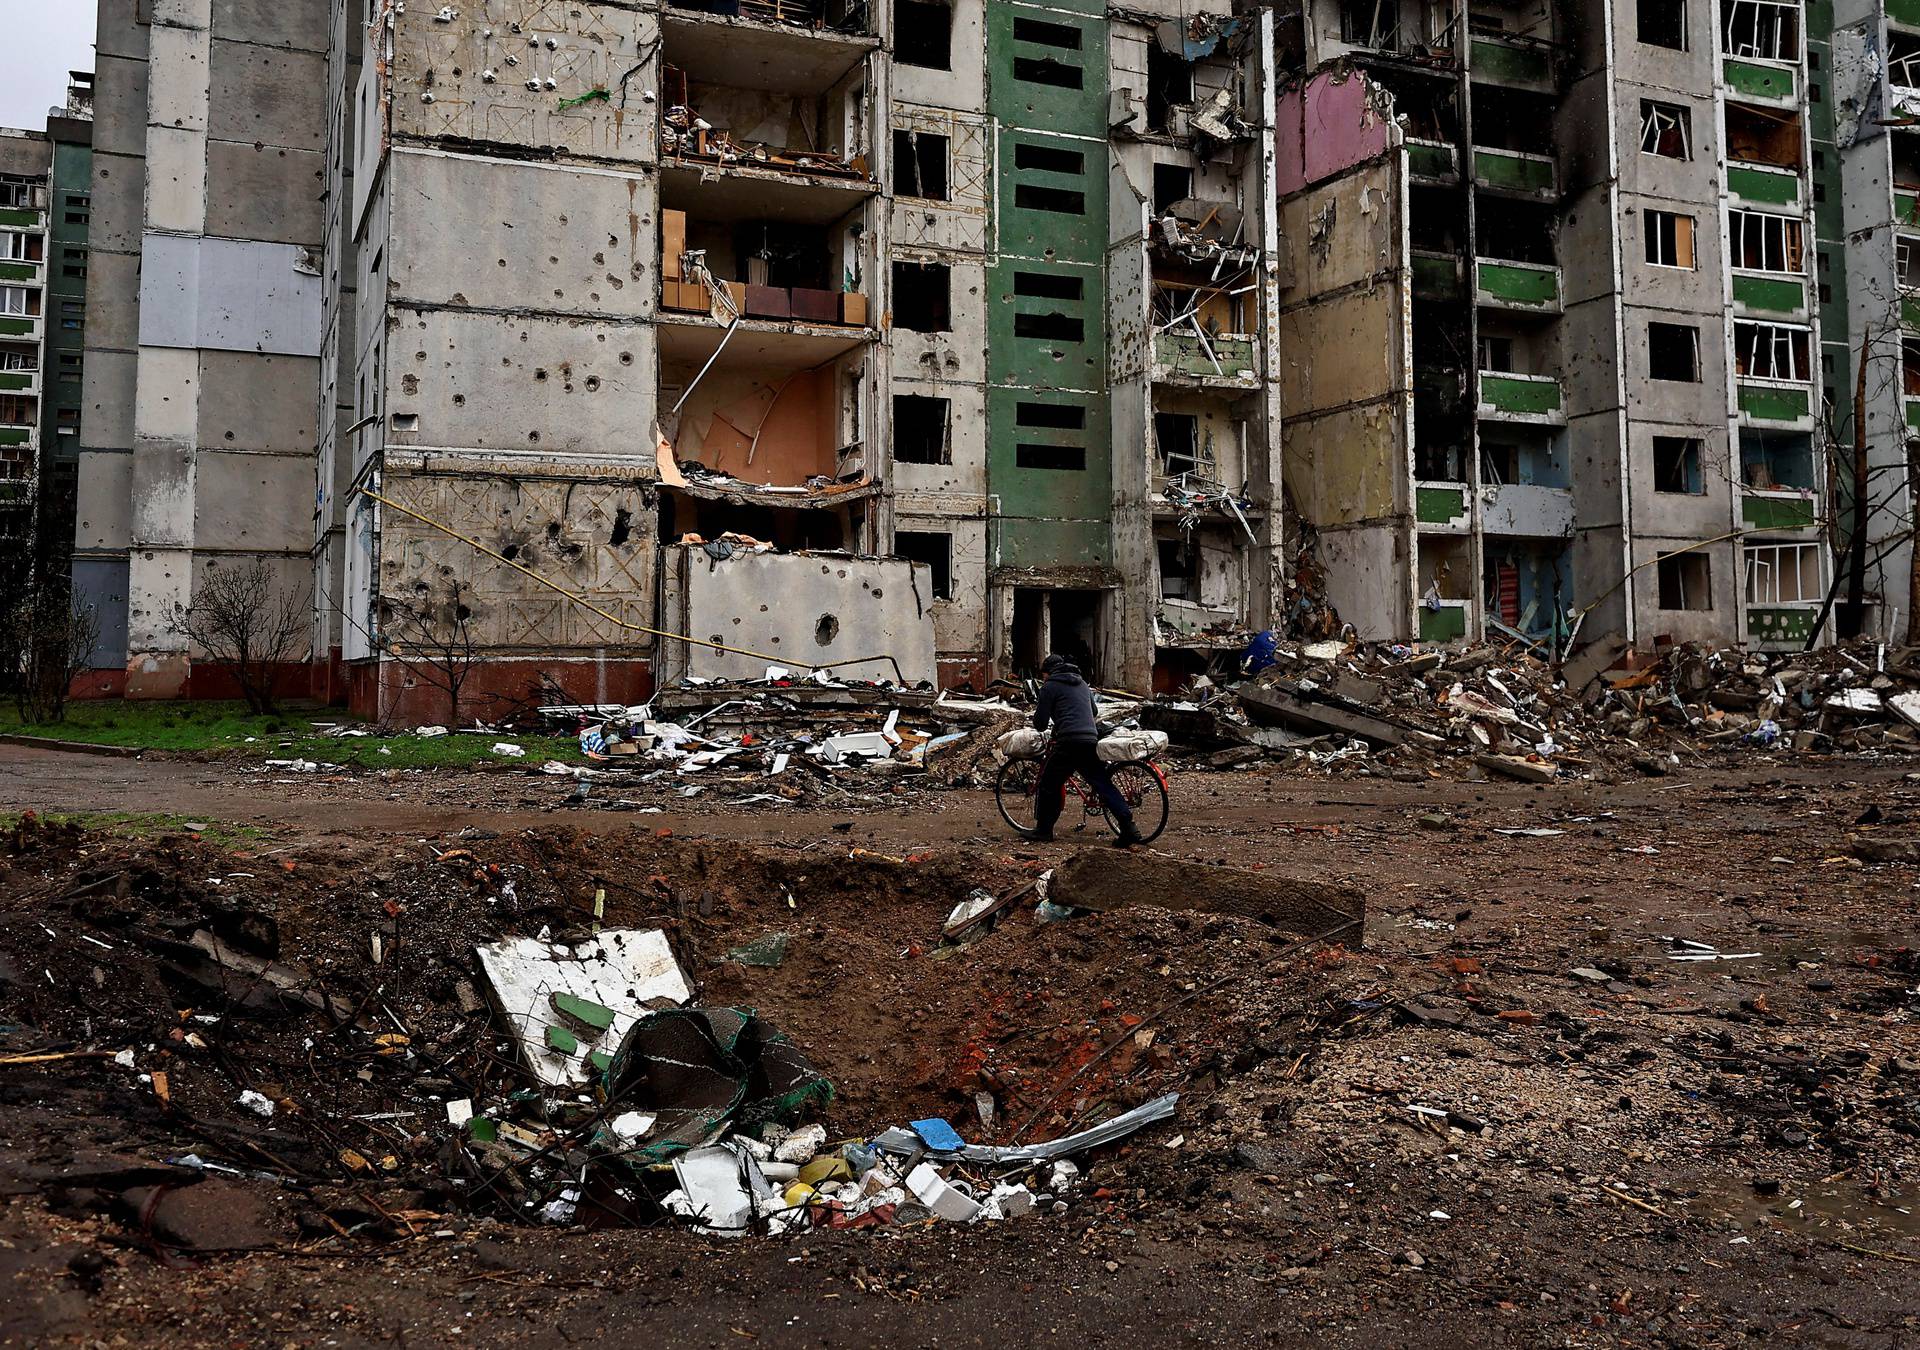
1066,706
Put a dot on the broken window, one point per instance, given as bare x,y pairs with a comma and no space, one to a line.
1371,23
1177,436
20,247
1770,351
935,549
1669,239
1496,353
1034,197
923,34
920,429
1676,465
1663,23
1179,572
1767,29
1499,462
1686,581
921,300
1666,129
1766,243
1049,327
1784,574
1673,352
1172,184
920,165
1047,159
22,361
20,194
17,411
1169,86
1763,136
1775,461
1903,59
1906,261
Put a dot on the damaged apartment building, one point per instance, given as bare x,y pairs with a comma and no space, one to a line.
1595,282
902,337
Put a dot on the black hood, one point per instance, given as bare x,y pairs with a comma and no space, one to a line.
1066,673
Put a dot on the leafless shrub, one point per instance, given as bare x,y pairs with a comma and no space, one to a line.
247,622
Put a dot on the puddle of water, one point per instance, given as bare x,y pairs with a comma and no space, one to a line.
1832,1208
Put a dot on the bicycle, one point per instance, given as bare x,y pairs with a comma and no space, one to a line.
1141,784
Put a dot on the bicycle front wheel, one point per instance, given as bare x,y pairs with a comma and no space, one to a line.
1014,792
1144,790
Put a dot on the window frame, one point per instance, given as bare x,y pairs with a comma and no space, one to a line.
1768,571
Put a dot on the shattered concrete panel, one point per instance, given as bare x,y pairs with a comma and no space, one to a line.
541,57
589,528
803,609
962,222
1343,467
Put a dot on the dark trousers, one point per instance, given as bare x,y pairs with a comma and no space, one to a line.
1070,758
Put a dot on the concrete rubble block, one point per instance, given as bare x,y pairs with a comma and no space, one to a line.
1525,770
1279,705
1114,880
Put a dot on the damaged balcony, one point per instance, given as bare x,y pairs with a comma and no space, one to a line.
771,274
1765,139
1444,570
1516,173
1768,256
1509,396
1525,287
1772,373
1434,163
1784,592
1525,488
18,374
1442,507
1510,60
1763,185
1528,587
1203,298
1777,481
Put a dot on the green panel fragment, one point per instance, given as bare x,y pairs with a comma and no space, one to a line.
1518,173
581,1011
1503,63
1515,285
1778,513
1770,404
1759,81
1430,161
1776,295
1442,625
1760,185
483,1131
562,1040
1906,12
1436,278
1775,624
1439,505
1509,394
17,217
601,1061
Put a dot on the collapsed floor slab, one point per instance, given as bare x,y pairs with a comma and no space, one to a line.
1113,880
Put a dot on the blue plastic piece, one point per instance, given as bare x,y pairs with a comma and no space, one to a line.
939,1136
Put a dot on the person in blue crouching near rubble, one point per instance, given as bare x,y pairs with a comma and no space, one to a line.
1066,707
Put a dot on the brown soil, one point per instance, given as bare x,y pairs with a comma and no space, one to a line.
1591,1140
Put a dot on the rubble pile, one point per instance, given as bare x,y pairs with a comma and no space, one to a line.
1486,710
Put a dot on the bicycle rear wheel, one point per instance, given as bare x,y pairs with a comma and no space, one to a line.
1014,792
1145,791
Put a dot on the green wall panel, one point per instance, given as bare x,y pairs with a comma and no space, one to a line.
1774,405
1052,543
13,216
1533,286
1501,63
17,325
1517,173
1048,69
1436,278
1757,185
1520,396
1910,314
1071,493
14,435
1052,196
19,272
1777,513
1776,295
1769,624
1439,505
15,380
1442,625
1913,413
1431,161
1046,340
1904,12
1758,81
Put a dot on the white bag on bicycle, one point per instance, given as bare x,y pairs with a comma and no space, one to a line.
1023,743
1130,747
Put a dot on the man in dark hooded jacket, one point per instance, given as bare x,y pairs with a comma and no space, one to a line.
1066,706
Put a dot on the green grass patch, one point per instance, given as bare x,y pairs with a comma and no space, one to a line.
231,728
148,825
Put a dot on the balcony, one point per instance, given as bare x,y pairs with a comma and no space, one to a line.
1905,13
19,328
1775,402
1509,397
1516,173
1513,63
1527,509
1437,276
1217,361
1761,81
1432,162
28,270
1910,310
1524,287
1762,185
1770,294
20,382
1447,623
1442,506
14,433
1788,509
22,218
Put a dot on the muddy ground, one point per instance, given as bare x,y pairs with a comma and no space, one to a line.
1648,1151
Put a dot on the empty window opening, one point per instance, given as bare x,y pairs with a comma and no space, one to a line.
1906,262
1172,184
1033,197
17,410
1371,23
1049,327
1767,29
1784,574
920,165
1047,159
1766,243
935,549
1496,354
1046,70
1179,569
921,300
923,34
1676,465
1686,581
1669,239
921,429
1051,285
1770,351
1056,416
1062,457
1177,436
1774,461
1043,34
1169,86
1673,352
1663,23
1763,136
1517,232
1666,129
1903,59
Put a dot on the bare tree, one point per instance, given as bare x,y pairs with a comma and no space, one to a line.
46,641
431,633
247,622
